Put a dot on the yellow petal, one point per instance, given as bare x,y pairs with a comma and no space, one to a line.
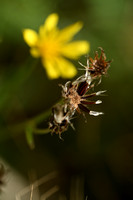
51,69
51,22
66,68
35,52
67,33
30,37
75,49
42,31
49,25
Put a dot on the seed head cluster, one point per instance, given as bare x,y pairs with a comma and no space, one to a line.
77,96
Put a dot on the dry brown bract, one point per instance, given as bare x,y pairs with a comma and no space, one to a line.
98,66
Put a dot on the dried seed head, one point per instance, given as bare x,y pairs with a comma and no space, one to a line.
95,68
76,94
77,97
98,66
60,119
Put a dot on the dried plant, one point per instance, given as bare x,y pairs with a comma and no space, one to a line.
76,94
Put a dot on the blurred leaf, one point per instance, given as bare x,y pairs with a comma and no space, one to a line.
12,80
18,14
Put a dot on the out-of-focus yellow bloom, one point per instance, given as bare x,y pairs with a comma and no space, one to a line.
54,46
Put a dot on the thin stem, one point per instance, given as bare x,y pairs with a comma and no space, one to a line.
29,123
41,131
17,129
39,118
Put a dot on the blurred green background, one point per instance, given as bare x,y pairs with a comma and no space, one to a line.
96,160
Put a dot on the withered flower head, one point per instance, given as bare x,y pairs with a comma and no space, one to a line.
98,66
76,97
59,120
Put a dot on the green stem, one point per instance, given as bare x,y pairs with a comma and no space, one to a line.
41,131
30,124
33,122
39,118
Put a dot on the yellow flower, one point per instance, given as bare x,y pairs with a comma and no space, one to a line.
54,46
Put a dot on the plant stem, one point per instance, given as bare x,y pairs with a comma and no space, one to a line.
41,131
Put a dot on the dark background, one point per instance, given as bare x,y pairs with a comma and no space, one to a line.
99,153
